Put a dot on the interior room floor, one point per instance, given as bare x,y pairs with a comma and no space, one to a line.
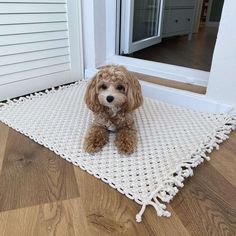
42,194
196,53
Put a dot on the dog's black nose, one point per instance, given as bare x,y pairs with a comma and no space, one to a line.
110,98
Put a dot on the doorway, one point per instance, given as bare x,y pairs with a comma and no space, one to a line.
181,33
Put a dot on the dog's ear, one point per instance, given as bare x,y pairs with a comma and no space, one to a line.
134,93
91,96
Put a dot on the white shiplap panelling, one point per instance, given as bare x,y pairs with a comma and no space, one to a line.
34,1
31,18
22,7
31,47
36,72
34,39
31,28
33,56
46,62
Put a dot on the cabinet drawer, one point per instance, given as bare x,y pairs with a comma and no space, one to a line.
179,3
177,20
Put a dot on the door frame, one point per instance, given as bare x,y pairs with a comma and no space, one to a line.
211,102
162,70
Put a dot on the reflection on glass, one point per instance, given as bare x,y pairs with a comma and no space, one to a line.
145,19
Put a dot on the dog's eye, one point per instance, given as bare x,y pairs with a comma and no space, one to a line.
120,87
103,86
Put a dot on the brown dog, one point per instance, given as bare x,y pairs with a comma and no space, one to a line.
112,95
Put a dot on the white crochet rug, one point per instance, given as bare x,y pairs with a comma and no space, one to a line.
172,140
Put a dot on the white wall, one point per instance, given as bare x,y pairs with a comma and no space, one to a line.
100,31
222,82
88,33
94,32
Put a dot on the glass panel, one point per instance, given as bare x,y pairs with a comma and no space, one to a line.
145,21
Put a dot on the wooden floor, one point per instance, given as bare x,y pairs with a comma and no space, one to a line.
196,53
42,194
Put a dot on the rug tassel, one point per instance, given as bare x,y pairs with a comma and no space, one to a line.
160,209
139,215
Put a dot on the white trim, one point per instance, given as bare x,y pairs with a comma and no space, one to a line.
76,39
165,71
88,33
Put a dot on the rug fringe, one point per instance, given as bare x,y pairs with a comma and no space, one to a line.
169,189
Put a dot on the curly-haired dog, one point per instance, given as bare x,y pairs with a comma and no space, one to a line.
113,94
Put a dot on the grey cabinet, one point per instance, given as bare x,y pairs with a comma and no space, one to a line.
178,17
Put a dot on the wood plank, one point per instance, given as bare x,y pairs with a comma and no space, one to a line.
206,205
224,160
109,212
58,218
32,174
3,141
172,83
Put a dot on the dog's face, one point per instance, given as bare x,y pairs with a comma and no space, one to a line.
112,93
113,87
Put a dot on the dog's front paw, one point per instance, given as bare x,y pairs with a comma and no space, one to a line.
126,141
95,139
92,147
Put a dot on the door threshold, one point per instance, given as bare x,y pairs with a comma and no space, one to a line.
171,83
